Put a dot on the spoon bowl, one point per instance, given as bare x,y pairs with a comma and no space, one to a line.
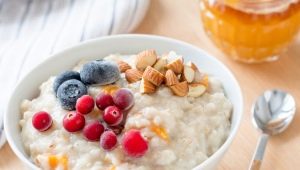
272,113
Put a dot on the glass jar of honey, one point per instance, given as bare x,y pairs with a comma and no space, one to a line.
251,30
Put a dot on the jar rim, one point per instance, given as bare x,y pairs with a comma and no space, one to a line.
259,6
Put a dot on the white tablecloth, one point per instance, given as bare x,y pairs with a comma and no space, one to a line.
30,30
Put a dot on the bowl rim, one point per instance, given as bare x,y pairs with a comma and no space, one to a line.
87,43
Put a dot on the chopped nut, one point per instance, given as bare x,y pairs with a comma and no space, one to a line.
147,87
171,78
188,74
199,77
193,66
204,80
145,58
196,90
154,76
180,89
160,65
176,65
133,75
123,66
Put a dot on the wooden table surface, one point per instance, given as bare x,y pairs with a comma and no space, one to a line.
179,19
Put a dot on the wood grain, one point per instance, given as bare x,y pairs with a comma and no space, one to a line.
180,19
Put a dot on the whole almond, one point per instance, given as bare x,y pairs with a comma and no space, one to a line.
123,66
133,75
154,76
147,87
181,89
145,58
171,78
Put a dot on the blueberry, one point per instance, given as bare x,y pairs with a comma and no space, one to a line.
64,76
68,93
100,72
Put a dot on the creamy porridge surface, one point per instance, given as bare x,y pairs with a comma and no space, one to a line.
182,132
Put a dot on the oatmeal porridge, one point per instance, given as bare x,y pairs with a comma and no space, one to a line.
175,121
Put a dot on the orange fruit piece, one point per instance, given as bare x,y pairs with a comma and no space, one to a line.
160,132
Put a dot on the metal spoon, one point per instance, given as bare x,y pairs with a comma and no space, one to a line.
272,112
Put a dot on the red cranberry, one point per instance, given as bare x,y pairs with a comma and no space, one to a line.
93,130
41,121
73,121
85,104
103,100
108,140
133,144
112,115
123,99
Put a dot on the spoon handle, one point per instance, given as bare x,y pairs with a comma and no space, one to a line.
259,153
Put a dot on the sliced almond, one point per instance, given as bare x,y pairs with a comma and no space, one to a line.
145,58
147,87
180,89
201,78
176,66
133,75
192,65
188,74
123,66
171,78
204,80
196,90
154,76
172,56
198,75
160,65
175,62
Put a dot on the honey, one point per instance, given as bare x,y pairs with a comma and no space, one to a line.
113,168
160,132
58,161
250,36
53,161
110,89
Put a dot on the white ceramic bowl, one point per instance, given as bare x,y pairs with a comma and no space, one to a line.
124,44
